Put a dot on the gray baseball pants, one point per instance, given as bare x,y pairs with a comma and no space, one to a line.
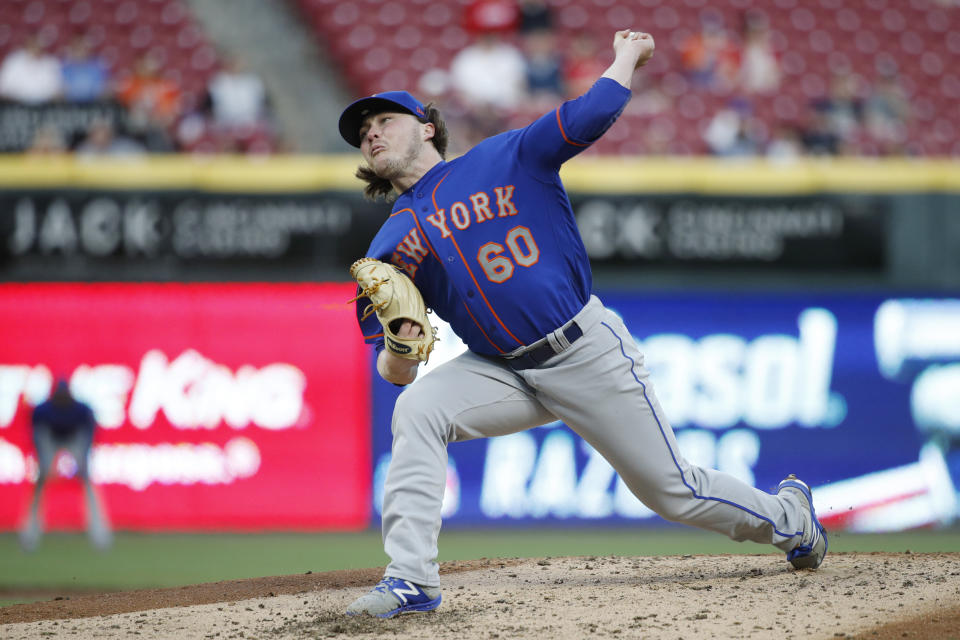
599,387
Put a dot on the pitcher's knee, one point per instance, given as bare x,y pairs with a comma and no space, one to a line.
416,412
670,508
681,511
676,504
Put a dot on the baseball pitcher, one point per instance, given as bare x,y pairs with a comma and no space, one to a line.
490,242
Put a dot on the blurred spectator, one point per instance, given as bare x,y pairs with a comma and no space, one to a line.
535,15
544,66
819,137
153,103
785,145
85,75
886,113
491,16
582,66
31,75
489,73
842,108
103,140
238,97
47,140
709,58
62,422
147,91
489,76
728,133
759,67
233,118
155,136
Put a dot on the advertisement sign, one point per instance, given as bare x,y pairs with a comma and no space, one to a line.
220,406
190,234
799,232
179,234
859,395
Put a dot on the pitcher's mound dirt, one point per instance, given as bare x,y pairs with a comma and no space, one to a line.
853,595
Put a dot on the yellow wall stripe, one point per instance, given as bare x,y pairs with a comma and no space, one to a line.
585,175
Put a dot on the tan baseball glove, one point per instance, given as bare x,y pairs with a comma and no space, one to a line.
394,298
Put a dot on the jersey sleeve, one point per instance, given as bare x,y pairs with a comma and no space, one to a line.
561,134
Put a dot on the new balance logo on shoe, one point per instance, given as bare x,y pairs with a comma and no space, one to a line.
411,590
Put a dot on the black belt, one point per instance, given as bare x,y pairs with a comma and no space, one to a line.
540,354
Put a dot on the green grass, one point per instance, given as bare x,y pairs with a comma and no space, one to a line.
66,562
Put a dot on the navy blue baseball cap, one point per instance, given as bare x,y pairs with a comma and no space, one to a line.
399,101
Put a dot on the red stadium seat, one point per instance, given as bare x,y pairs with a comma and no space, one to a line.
692,107
189,36
33,13
141,36
126,13
345,14
173,13
391,15
574,17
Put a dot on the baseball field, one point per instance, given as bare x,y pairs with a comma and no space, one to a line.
575,583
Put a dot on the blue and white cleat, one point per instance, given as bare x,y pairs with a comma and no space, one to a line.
813,545
393,596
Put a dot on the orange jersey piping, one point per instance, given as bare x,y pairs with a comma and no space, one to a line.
564,133
472,277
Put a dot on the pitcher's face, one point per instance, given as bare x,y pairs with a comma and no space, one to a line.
391,143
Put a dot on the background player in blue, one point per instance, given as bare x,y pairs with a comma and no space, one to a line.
63,422
491,241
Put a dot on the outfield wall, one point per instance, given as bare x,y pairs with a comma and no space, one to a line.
859,394
890,223
224,403
248,406
216,409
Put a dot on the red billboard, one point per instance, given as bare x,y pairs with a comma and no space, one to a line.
220,406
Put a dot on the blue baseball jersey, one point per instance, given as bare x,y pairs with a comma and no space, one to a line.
490,238
64,420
